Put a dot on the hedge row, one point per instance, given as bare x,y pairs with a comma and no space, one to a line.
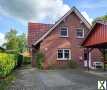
7,63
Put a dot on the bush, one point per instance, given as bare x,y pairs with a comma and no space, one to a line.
39,60
7,63
73,64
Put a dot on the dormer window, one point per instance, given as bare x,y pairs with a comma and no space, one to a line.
80,33
64,32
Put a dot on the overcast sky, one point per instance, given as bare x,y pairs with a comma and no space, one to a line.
17,13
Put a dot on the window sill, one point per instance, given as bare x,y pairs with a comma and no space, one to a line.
63,36
80,37
63,59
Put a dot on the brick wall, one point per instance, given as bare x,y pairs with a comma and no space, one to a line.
53,41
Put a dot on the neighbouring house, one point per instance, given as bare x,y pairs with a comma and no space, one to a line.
60,42
97,39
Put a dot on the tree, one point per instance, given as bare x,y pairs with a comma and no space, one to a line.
104,18
11,40
22,42
14,41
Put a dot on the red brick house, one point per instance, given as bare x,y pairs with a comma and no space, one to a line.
61,41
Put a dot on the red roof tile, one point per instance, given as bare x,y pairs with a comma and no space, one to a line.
35,31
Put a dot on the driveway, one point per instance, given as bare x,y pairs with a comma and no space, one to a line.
34,79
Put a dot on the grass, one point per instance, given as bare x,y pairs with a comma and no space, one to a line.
5,83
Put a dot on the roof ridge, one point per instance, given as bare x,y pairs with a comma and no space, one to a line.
102,22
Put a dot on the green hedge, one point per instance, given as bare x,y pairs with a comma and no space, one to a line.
7,63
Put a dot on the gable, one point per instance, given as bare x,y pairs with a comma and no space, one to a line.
64,17
72,22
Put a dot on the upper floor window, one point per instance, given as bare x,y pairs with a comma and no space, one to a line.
64,32
80,33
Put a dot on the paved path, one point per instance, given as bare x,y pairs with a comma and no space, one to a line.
98,73
34,79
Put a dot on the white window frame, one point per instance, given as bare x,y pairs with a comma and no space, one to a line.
82,32
63,54
66,30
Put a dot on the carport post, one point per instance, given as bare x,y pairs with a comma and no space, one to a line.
88,51
88,58
104,53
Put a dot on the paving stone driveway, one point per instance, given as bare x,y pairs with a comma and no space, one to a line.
34,79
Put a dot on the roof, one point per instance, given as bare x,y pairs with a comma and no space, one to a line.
99,22
104,22
35,31
73,9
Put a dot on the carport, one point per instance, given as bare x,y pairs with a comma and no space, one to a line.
97,38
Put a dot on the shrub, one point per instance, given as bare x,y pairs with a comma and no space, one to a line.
39,60
72,64
7,63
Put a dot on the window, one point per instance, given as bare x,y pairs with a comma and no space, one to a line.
64,32
64,54
60,53
80,33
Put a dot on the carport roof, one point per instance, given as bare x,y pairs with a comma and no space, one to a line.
97,37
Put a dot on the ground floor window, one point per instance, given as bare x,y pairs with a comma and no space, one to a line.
63,54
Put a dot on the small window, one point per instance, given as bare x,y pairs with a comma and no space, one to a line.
60,53
80,33
64,54
64,32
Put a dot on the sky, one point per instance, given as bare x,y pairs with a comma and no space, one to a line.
15,14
